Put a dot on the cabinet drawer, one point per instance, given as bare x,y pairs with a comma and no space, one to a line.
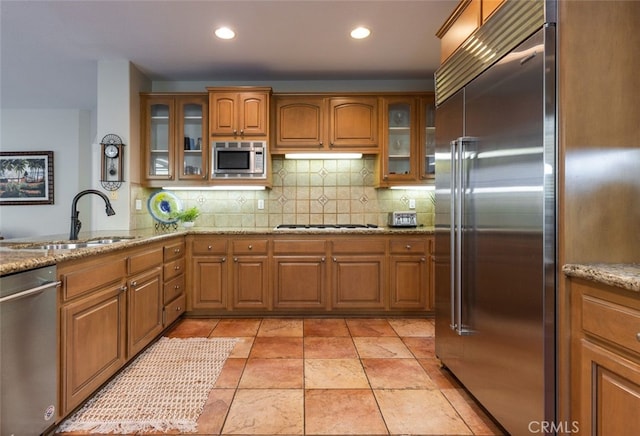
369,246
299,247
80,281
250,246
173,288
209,246
617,324
173,251
409,246
173,269
144,260
173,310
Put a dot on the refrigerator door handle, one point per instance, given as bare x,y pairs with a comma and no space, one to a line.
453,235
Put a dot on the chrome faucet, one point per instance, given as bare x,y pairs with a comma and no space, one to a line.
75,222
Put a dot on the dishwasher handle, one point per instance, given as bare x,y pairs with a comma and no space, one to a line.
32,291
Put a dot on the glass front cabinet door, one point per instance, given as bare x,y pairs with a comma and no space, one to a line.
428,138
174,138
399,140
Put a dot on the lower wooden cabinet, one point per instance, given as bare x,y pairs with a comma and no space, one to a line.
371,274
92,343
144,310
605,359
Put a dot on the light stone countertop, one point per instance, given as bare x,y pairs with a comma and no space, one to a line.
626,276
16,256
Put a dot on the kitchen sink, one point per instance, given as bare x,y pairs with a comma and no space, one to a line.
75,245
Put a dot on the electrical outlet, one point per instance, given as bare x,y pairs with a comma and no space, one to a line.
113,195
260,204
412,203
138,204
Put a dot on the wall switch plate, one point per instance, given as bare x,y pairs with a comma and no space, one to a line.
260,204
138,204
412,203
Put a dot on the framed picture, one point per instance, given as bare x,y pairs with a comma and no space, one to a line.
26,177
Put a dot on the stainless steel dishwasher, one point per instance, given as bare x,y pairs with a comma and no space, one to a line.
28,341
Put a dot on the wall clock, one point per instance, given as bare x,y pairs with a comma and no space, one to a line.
112,158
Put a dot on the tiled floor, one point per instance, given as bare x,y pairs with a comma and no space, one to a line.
333,377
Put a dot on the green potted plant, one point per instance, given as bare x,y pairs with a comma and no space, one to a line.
188,216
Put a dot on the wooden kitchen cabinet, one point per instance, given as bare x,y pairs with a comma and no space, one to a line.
322,123
145,298
409,278
605,358
239,112
358,273
250,274
208,282
173,275
174,138
299,274
93,319
407,141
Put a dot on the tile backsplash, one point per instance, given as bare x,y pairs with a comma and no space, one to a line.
303,192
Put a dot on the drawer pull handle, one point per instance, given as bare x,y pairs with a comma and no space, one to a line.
176,287
177,250
176,267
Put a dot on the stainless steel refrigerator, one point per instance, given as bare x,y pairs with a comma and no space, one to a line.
496,233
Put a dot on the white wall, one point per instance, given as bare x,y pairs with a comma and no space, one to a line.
65,132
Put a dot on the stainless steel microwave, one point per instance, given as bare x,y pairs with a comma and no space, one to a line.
239,159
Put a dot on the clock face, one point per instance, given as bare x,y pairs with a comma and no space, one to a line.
111,151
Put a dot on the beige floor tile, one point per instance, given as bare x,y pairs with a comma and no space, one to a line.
420,347
231,372
334,374
277,348
242,348
273,373
419,412
236,327
215,411
192,328
317,347
266,412
281,327
342,412
382,348
396,374
325,327
370,327
440,376
415,327
475,418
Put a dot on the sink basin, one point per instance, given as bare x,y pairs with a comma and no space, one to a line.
75,245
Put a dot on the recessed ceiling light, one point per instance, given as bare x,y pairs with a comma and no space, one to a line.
360,32
225,33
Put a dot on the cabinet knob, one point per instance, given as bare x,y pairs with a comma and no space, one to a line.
321,143
638,336
322,259
331,144
408,247
250,247
224,259
178,309
334,259
177,250
422,259
176,268
210,247
123,288
242,131
134,283
235,259
176,287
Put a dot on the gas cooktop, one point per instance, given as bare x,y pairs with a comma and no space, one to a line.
326,226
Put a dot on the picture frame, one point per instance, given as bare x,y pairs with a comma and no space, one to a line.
26,178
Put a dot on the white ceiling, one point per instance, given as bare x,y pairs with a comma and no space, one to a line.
50,49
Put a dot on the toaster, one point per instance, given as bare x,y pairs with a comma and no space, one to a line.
402,219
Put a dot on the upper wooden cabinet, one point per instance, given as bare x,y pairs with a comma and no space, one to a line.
308,123
407,140
239,112
463,21
174,138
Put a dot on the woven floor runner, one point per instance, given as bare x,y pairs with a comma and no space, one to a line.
164,389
